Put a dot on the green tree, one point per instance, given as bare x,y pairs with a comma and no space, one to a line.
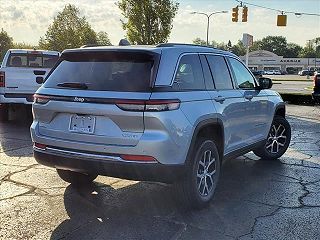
103,39
308,51
275,44
23,45
293,50
68,30
201,42
6,43
148,21
256,46
238,49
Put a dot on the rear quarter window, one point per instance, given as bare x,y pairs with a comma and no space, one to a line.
105,71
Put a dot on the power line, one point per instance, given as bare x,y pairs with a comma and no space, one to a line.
278,10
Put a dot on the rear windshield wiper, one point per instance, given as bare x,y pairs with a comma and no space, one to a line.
73,85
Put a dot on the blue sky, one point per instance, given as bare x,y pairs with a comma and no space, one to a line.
27,20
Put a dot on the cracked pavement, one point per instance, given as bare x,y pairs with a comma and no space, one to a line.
254,199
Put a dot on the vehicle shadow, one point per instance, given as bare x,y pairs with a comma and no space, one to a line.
248,187
151,211
15,138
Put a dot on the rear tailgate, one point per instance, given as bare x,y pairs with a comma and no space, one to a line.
108,110
23,80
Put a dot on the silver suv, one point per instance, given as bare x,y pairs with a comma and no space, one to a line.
168,113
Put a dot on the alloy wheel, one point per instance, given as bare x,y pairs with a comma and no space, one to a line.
277,138
206,174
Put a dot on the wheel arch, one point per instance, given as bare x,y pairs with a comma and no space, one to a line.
280,110
212,128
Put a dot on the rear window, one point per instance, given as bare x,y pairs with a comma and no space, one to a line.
104,71
28,60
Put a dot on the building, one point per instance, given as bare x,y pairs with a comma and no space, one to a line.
265,60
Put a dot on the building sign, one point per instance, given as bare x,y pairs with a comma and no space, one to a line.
247,40
290,60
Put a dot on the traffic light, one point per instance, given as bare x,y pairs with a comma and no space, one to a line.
282,20
235,13
244,14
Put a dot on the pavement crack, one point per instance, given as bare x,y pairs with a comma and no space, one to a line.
256,219
31,188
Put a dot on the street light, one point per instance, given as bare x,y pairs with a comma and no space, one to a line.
208,18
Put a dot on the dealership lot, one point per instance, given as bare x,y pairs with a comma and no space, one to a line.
255,199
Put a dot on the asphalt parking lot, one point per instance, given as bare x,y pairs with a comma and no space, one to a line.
255,199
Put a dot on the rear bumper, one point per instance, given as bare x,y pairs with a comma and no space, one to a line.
127,170
16,98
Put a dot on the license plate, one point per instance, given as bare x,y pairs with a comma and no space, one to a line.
82,124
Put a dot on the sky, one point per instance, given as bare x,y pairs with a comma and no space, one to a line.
27,20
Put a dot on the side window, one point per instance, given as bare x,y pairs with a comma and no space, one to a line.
220,72
189,74
243,77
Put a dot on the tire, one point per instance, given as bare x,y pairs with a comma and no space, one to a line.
191,189
277,142
76,178
4,113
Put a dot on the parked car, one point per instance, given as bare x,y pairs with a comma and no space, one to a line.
316,88
170,113
258,73
19,72
273,72
306,72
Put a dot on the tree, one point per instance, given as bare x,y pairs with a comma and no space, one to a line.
103,39
256,46
6,43
201,42
238,49
23,45
293,50
68,30
275,44
148,21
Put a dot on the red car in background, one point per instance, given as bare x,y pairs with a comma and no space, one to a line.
316,87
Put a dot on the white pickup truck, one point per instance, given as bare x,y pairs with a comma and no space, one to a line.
21,73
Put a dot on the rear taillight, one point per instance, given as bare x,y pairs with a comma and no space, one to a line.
148,105
2,79
40,99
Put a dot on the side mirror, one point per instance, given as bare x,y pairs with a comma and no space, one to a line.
39,80
265,83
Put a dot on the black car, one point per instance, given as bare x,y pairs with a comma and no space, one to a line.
316,87
306,73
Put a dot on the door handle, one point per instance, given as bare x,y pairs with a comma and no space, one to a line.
248,96
219,99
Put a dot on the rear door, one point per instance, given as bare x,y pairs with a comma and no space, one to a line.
96,97
227,100
23,68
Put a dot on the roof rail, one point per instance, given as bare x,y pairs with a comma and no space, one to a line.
181,44
90,45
